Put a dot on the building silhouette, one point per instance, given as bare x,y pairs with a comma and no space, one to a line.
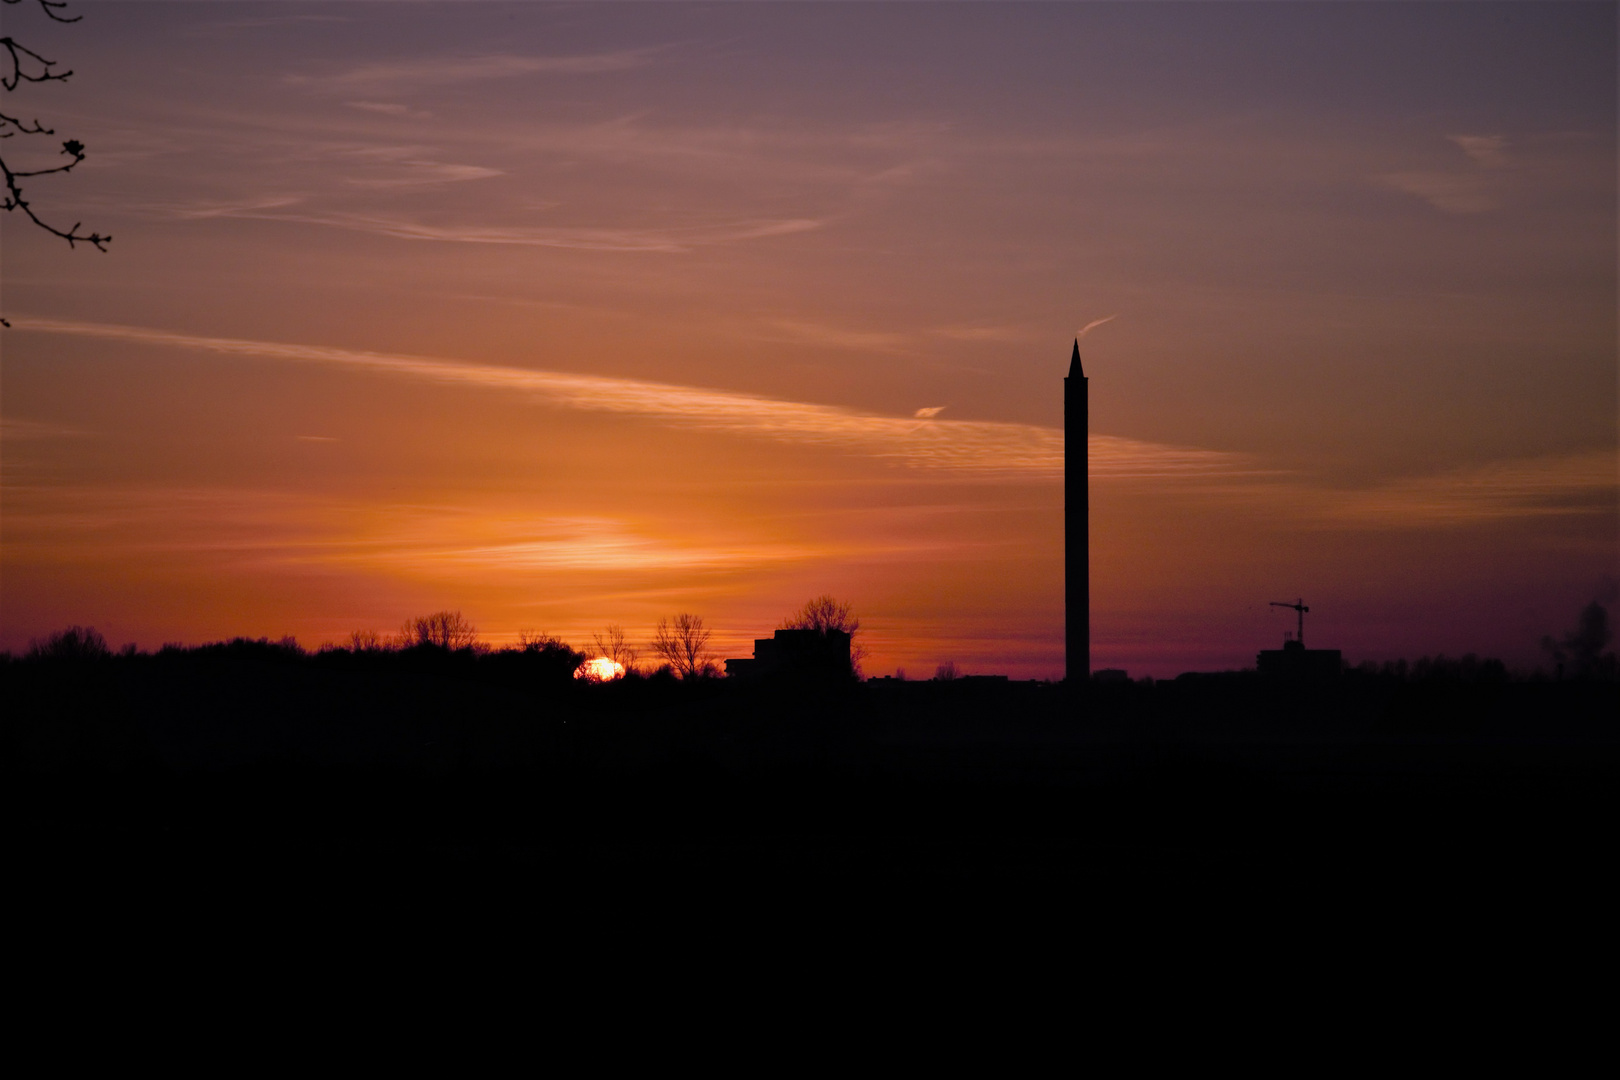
1295,661
798,654
1076,521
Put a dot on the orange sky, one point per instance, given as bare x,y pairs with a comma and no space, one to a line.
564,318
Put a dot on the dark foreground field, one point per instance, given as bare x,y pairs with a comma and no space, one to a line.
439,804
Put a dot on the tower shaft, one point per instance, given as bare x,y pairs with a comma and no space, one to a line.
1076,521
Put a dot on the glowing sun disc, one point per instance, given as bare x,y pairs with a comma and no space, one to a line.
599,669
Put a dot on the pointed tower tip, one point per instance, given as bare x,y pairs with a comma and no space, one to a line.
1074,362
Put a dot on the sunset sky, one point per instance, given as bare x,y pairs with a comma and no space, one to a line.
575,315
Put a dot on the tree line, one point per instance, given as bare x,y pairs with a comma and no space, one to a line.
680,646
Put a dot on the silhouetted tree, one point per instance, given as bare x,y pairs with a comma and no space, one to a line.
1582,647
286,649
825,613
945,672
1468,668
684,643
28,66
446,629
535,641
613,644
367,641
550,658
74,643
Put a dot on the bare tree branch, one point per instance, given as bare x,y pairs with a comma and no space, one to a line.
684,643
446,629
20,55
22,128
49,7
28,66
613,644
824,613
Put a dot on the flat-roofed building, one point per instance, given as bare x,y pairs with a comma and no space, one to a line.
1295,661
815,654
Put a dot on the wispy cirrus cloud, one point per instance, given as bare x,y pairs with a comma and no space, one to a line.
1536,487
16,429
232,27
451,540
387,165
1451,193
261,530
389,108
415,173
52,524
238,209
839,337
973,447
444,70
1487,151
671,240
981,333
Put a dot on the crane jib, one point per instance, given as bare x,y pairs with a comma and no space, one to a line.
1299,606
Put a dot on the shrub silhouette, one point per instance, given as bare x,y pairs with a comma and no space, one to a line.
548,657
242,648
1468,668
74,643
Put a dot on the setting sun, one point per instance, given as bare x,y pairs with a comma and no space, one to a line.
599,669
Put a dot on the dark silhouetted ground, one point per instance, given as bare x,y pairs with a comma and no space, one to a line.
431,800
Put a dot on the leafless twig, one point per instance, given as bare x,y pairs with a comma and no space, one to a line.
28,66
50,7
684,643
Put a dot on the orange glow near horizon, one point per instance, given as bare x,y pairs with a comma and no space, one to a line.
381,334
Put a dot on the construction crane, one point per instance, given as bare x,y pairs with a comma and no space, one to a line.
1299,606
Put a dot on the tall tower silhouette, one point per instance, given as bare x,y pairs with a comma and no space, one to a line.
1076,522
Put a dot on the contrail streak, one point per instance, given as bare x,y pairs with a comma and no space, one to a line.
1094,323
962,446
